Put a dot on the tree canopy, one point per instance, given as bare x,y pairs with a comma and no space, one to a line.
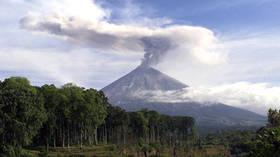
22,114
73,115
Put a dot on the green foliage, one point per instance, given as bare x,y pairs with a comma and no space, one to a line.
267,143
273,118
22,113
267,140
138,123
10,151
72,115
157,146
43,154
160,155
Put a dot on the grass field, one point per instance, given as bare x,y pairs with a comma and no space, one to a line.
114,151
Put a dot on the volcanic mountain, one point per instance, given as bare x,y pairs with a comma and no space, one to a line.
124,93
140,79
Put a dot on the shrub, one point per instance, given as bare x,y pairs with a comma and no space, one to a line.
159,155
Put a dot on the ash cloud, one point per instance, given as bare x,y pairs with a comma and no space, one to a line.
155,48
154,43
78,35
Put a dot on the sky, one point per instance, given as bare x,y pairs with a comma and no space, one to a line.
226,51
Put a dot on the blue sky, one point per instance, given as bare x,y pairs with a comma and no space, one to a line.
218,15
228,50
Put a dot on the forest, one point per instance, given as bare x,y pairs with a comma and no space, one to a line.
75,121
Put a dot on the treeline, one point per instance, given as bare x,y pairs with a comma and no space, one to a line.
267,139
72,115
265,142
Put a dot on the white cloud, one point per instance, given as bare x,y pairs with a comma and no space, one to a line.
252,57
87,28
197,42
258,97
79,66
84,9
104,51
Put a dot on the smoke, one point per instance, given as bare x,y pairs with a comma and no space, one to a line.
154,43
155,48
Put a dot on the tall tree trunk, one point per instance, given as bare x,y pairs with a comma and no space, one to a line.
169,140
54,142
95,136
3,137
90,138
60,135
63,138
145,154
153,134
68,137
105,134
174,152
85,134
108,130
81,138
123,134
47,144
75,136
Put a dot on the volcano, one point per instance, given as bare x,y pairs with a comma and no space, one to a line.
140,79
123,93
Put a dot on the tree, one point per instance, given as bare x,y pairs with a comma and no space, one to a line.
74,110
153,118
51,102
273,118
95,112
144,147
267,141
116,119
138,124
22,114
74,115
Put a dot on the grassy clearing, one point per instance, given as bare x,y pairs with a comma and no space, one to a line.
93,151
113,151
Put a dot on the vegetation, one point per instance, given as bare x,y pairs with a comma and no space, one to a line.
267,140
74,116
74,121
22,115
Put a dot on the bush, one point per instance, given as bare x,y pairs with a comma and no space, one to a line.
43,154
159,155
10,151
77,155
112,147
157,146
25,153
59,155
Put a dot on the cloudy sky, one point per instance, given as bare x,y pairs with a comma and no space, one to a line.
227,51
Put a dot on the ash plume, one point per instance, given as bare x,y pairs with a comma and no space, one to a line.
155,48
193,42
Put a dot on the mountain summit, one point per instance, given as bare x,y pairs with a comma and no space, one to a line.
125,93
141,79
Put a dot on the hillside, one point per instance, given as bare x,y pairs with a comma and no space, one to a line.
123,93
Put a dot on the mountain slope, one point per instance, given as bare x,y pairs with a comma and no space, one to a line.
205,115
123,93
140,79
